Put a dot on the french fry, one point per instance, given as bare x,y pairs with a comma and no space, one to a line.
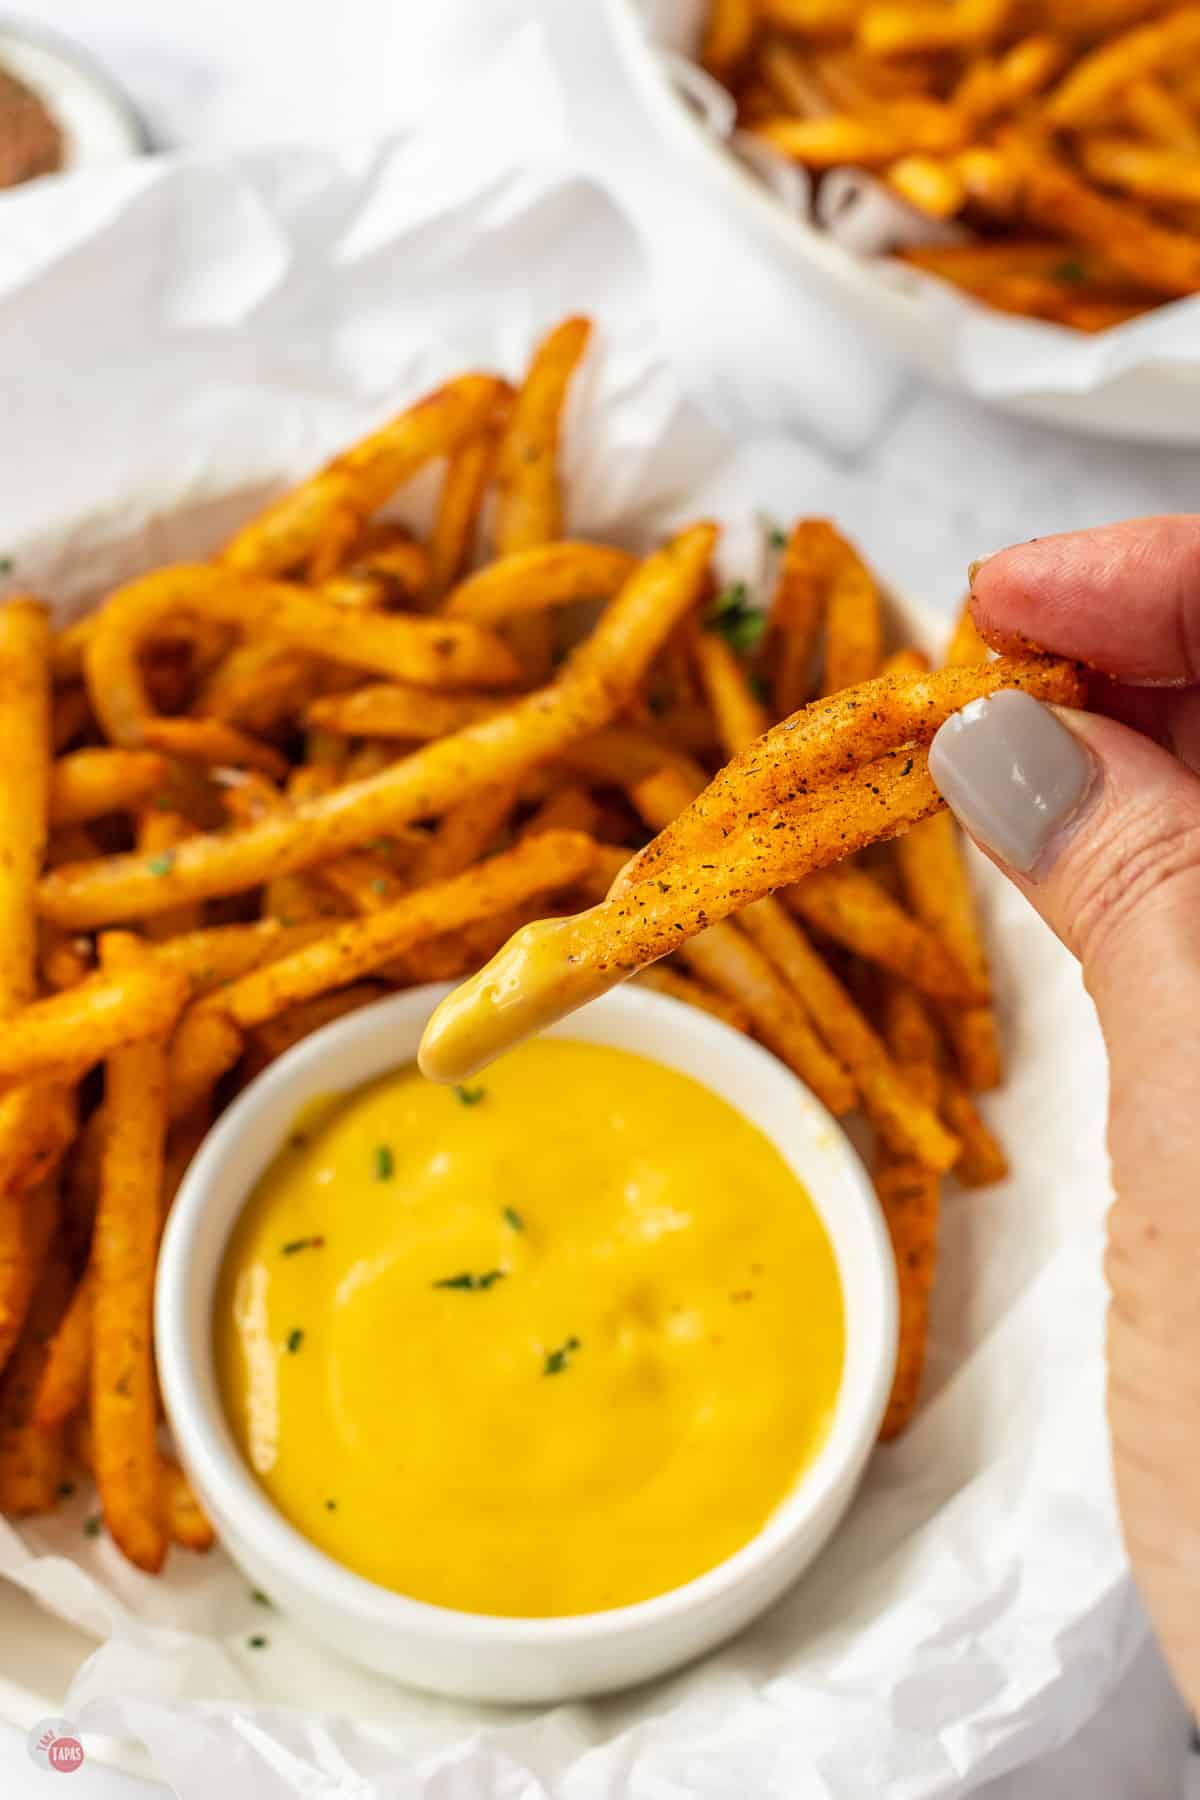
62,1384
853,623
538,578
529,507
1157,113
569,808
596,683
460,501
218,953
797,615
70,1031
890,29
158,834
63,960
728,960
123,1390
907,1123
387,710
727,36
849,906
909,1195
692,992
24,791
966,647
27,1217
86,784
32,1462
186,1522
1051,197
792,764
871,140
343,494
466,832
549,972
740,716
1084,93
71,716
812,18
931,184
981,1161
425,652
1149,171
991,87
934,876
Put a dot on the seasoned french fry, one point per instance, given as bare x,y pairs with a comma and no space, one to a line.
966,647
934,875
569,808
853,623
981,1161
1095,80
63,1382
24,791
466,832
740,716
991,87
186,1522
27,1218
728,960
727,36
123,1390
456,522
851,907
890,29
425,652
802,753
274,1036
86,784
63,960
529,507
932,184
871,140
343,494
1160,115
220,953
387,710
812,18
908,1124
32,1462
692,992
158,834
71,716
70,1031
1149,171
797,614
538,578
596,683
909,1195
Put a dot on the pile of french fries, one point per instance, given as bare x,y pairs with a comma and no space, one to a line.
244,797
1064,134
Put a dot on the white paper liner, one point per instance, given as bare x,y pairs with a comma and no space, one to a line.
240,322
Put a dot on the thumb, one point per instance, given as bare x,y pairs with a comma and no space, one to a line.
1100,828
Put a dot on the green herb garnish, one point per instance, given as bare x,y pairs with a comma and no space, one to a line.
739,623
1070,269
331,1506
305,1243
257,1642
778,538
472,1284
295,1338
556,1360
379,884
467,1096
91,1525
385,1162
162,864
65,1489
7,565
512,1217
259,1598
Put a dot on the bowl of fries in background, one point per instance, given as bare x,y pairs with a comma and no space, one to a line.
352,747
1008,194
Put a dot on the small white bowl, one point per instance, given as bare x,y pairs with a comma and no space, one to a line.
466,1654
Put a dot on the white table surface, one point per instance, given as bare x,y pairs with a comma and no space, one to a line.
238,73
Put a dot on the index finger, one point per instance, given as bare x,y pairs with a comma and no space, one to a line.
1124,598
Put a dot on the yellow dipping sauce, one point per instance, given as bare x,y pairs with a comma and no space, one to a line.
549,1344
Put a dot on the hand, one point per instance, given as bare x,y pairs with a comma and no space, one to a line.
1097,821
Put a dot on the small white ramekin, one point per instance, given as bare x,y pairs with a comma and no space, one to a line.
467,1654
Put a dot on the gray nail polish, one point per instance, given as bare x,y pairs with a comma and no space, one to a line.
1012,773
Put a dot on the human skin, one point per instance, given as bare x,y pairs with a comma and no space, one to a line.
1105,843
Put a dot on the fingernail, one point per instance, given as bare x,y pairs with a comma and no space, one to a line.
1013,774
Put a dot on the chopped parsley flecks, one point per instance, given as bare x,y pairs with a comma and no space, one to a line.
1070,269
7,565
777,538
385,1162
91,1525
513,1218
304,1243
469,1096
295,1338
259,1598
472,1284
739,623
163,863
558,1360
257,1642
